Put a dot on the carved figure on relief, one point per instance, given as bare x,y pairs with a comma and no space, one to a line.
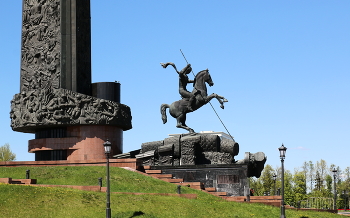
61,106
40,37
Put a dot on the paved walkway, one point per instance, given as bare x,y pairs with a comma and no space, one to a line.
347,213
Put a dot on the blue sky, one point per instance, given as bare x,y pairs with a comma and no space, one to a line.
284,66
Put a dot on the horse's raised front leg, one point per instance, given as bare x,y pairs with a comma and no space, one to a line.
220,99
181,123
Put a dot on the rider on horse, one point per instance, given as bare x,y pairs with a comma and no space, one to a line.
183,81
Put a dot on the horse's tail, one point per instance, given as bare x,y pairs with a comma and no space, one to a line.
163,108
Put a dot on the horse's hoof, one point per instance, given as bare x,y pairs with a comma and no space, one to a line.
225,100
222,106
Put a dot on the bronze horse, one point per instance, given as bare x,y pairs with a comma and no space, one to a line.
179,109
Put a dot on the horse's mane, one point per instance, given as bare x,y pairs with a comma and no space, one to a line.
201,72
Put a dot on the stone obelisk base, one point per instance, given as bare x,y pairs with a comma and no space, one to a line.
78,143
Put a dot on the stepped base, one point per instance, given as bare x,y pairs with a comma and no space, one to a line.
227,179
17,181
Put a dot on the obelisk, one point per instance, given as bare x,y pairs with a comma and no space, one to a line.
70,116
56,45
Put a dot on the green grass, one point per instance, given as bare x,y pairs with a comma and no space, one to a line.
27,201
121,180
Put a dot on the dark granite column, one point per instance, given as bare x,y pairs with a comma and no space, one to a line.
76,46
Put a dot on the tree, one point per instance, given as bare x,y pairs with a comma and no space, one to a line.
267,179
311,173
346,183
6,153
306,168
256,185
313,182
321,169
288,188
264,184
329,181
347,173
299,188
319,181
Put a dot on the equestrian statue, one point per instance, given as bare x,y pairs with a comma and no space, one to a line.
190,101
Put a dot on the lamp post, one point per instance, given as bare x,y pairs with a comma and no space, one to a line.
335,188
274,184
282,150
107,146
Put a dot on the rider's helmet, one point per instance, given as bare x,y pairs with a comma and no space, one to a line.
187,69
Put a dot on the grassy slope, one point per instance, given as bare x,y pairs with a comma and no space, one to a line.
27,201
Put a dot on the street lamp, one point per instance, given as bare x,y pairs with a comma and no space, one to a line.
107,145
282,150
335,188
274,184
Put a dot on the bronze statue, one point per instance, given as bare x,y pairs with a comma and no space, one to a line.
183,81
190,101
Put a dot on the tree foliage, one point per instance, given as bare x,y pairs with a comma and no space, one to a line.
311,181
6,153
267,179
299,188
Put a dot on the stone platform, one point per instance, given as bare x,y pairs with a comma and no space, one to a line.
228,178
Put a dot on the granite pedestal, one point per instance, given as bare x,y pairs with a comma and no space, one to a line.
231,179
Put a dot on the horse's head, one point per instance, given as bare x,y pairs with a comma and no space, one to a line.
204,76
201,78
208,77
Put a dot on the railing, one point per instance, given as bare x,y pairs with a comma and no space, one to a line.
317,202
